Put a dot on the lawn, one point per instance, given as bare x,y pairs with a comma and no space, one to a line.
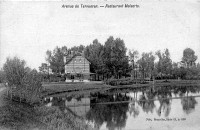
62,87
57,88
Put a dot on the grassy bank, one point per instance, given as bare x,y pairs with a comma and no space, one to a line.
52,88
58,88
160,83
15,115
23,116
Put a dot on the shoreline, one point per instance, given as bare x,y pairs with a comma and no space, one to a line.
61,88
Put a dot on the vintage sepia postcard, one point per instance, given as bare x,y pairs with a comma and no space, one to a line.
100,65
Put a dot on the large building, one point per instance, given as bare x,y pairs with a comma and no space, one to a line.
77,67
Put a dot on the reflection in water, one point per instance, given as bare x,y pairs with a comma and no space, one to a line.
164,97
107,107
79,106
188,104
114,115
165,107
133,105
146,104
134,109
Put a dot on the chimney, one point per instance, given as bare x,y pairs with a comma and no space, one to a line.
71,54
65,59
67,56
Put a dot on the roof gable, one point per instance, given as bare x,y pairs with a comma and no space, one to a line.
78,54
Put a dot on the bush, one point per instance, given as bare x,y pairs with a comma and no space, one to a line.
45,77
32,87
53,77
124,81
15,71
2,76
192,73
24,83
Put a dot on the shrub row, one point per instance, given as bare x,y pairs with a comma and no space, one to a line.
124,81
52,78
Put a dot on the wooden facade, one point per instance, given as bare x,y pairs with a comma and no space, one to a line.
77,67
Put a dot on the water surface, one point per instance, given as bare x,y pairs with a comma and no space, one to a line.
148,108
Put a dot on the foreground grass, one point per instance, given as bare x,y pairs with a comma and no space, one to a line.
20,116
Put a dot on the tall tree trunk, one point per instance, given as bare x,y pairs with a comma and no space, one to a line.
143,74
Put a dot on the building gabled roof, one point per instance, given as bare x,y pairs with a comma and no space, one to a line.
78,54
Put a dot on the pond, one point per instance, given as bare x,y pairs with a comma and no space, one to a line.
148,108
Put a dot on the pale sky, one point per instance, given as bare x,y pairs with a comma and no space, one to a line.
29,29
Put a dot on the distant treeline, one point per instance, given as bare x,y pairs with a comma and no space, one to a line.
112,59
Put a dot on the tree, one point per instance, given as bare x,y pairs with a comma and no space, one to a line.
2,76
55,59
77,48
133,55
193,72
167,63
15,71
43,68
115,57
164,65
25,82
146,64
32,86
48,56
94,53
159,63
175,70
189,57
64,49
